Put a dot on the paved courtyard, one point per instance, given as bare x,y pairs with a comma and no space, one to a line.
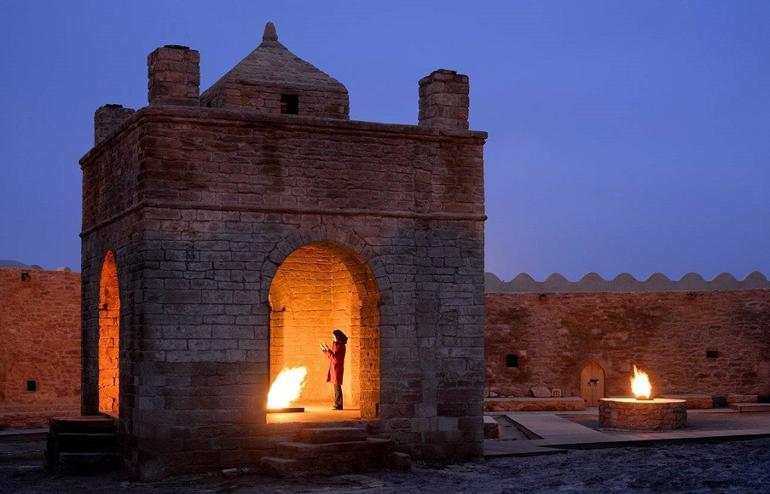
556,432
735,466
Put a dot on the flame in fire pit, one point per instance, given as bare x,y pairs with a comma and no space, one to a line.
640,385
286,388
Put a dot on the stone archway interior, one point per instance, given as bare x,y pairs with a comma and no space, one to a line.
320,287
109,336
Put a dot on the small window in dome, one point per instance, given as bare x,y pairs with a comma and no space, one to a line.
290,104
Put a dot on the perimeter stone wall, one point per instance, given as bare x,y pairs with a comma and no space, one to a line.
39,346
668,334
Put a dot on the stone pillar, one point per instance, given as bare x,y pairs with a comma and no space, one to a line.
173,74
107,119
444,100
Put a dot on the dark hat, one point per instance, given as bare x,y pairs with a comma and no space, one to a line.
340,336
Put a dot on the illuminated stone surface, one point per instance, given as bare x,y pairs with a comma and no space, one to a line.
109,337
40,342
659,414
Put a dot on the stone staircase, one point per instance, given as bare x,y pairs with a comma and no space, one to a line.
82,445
333,451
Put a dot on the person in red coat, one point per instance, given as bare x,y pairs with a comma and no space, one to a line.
336,355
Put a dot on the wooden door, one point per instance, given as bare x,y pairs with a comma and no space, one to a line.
592,384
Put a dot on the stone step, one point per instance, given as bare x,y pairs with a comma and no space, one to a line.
85,424
76,442
86,463
302,451
281,467
318,435
85,445
751,407
491,428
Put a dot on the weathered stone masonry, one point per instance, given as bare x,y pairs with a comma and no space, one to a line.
668,334
39,346
201,205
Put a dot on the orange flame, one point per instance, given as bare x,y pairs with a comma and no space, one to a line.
640,385
286,388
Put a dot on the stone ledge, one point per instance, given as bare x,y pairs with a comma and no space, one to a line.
34,418
529,404
738,398
694,401
751,407
243,116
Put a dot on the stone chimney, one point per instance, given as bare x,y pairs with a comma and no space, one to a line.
173,73
107,119
444,100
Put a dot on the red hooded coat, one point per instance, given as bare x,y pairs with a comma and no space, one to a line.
336,363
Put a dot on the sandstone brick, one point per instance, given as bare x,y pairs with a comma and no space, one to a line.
39,337
444,100
173,76
107,119
640,415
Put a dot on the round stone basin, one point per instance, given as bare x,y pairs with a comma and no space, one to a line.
659,414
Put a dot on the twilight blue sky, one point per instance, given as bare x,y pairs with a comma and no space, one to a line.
623,136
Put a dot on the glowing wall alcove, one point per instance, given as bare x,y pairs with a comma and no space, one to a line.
320,287
109,337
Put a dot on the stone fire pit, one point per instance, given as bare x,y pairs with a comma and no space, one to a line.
659,414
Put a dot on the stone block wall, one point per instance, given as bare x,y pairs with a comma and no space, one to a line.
208,204
111,224
668,334
266,98
39,343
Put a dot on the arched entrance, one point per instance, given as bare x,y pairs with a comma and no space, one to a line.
592,383
319,287
109,336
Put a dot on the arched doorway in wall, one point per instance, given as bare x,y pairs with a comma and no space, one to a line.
592,387
109,336
320,287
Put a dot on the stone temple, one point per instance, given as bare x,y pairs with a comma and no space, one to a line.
226,233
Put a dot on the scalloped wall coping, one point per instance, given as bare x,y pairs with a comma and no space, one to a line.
624,282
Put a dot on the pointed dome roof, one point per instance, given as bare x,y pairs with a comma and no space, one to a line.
272,63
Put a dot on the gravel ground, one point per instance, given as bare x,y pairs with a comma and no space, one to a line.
738,466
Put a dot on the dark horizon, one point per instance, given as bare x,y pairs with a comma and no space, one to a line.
622,138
